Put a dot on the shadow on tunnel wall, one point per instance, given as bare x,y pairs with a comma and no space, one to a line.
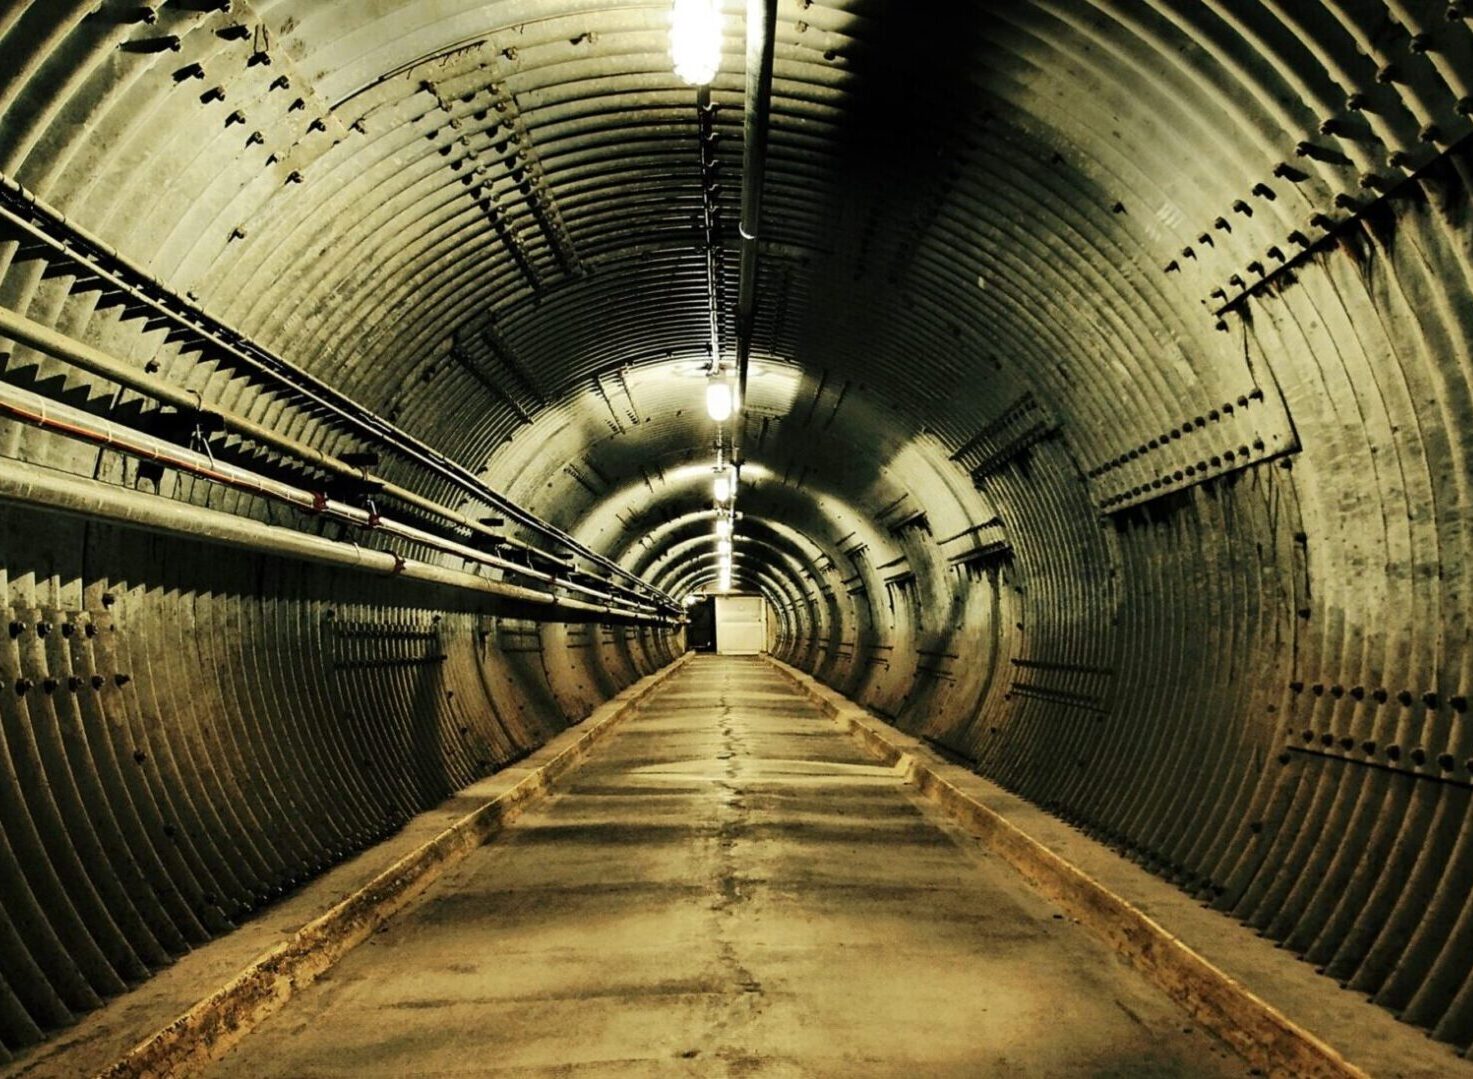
910,80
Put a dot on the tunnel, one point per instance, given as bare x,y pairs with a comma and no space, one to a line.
1085,388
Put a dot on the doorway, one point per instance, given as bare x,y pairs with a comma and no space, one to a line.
741,625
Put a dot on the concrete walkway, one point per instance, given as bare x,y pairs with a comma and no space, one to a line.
730,887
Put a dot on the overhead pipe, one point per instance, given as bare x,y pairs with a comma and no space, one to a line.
22,210
59,346
761,31
31,408
47,489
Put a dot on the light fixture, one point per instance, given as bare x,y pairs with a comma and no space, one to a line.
718,399
721,486
723,546
695,40
723,528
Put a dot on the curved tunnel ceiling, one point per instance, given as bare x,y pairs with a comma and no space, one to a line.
1108,420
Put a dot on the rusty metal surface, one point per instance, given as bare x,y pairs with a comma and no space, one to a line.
1017,261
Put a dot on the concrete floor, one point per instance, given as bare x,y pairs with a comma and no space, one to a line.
730,887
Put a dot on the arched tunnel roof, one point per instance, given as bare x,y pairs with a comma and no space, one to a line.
1107,414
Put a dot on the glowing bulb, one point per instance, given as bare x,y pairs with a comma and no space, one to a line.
695,40
723,528
721,487
723,546
718,400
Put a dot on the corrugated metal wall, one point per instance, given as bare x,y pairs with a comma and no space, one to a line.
1110,427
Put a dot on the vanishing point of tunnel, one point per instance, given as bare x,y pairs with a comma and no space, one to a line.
736,537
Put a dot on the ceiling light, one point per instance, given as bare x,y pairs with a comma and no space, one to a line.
695,40
718,400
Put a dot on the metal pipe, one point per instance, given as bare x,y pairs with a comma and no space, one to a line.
61,347
62,492
33,409
23,210
761,28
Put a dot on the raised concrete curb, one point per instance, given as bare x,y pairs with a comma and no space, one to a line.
1265,1037
208,1029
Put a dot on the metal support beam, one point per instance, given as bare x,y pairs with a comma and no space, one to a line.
761,23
